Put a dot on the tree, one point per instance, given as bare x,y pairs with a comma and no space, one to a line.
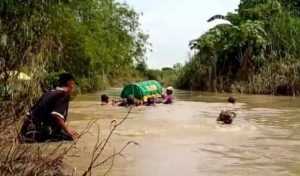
260,33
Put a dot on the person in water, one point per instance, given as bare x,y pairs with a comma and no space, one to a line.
168,97
150,101
47,118
231,100
227,116
104,99
129,101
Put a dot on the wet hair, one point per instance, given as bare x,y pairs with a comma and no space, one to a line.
231,100
138,103
104,98
64,78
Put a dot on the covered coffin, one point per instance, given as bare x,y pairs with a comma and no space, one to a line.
142,90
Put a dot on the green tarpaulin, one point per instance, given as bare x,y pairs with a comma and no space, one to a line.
142,90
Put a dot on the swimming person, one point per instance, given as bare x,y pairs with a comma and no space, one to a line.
150,101
47,118
129,101
231,100
227,116
104,99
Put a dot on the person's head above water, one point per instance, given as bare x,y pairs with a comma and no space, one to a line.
150,101
104,99
67,81
169,91
231,100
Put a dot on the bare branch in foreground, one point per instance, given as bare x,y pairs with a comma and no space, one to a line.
100,146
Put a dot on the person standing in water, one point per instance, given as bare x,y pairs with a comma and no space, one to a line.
47,119
168,97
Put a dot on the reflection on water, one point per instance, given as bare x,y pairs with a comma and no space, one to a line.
184,138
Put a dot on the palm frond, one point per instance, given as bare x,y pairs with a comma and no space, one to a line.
217,17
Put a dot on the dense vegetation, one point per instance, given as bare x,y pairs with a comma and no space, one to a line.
99,41
166,75
256,51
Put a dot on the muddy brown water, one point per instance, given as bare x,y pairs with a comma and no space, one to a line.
184,138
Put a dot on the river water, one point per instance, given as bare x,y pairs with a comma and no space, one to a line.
184,138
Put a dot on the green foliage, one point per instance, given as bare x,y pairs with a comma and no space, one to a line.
105,42
260,34
166,76
88,38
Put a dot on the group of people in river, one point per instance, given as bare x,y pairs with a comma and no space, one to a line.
46,120
166,98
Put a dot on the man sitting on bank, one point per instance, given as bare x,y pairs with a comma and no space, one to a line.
47,119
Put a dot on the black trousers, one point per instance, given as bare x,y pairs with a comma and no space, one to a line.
32,132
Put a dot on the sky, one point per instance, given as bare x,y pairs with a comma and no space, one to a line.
172,24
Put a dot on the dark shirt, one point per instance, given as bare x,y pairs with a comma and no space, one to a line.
54,102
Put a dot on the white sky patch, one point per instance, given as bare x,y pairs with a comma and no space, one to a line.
173,24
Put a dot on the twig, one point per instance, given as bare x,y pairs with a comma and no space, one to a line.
98,149
66,151
111,165
115,154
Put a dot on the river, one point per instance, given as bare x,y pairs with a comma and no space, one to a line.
184,138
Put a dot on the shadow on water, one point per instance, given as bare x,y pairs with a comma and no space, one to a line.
184,138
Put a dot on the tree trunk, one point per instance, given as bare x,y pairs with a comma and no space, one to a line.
247,65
